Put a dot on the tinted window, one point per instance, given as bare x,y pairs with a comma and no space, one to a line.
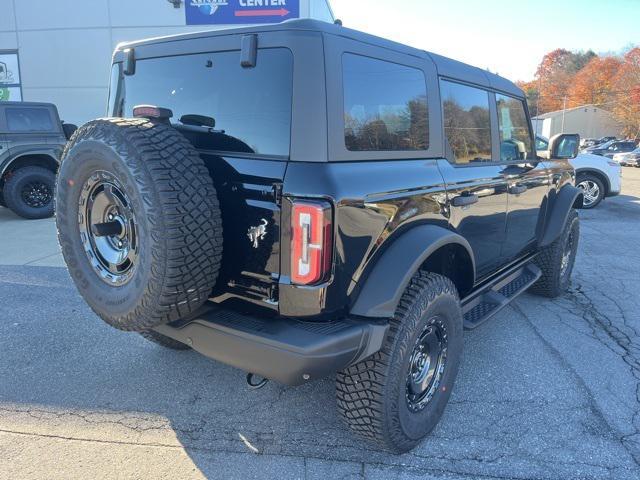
467,124
29,120
515,137
385,105
251,106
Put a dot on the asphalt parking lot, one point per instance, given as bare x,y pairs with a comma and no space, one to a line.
547,390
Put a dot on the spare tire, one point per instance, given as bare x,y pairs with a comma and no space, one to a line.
138,222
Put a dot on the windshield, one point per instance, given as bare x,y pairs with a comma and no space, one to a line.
605,145
542,143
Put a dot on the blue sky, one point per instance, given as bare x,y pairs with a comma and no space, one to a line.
507,37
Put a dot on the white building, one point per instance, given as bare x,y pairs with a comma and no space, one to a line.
60,51
588,120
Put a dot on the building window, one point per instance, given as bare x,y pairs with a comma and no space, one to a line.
385,105
10,86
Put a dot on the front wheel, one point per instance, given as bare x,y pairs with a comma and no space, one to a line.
592,189
397,396
556,260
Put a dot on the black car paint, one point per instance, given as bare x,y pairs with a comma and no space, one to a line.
374,202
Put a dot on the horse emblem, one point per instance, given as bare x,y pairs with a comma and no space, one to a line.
258,232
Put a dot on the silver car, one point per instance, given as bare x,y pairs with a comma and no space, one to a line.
629,159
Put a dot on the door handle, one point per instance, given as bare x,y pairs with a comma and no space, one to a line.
517,189
464,200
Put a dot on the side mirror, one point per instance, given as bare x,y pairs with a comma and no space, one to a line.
564,146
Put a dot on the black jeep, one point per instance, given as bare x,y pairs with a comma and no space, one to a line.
304,200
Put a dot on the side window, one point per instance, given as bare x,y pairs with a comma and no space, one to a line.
467,124
385,105
32,119
515,136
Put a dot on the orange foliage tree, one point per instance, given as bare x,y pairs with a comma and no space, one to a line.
554,76
627,88
595,83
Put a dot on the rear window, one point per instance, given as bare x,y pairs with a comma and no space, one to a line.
385,105
32,119
251,107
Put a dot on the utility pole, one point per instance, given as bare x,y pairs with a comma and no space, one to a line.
564,107
535,128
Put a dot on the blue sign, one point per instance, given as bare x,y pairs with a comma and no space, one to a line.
224,12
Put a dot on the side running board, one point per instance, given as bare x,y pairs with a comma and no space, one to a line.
489,300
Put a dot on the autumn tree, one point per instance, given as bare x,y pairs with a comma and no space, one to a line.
627,90
532,93
594,83
555,73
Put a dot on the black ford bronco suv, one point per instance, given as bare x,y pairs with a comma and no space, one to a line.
303,200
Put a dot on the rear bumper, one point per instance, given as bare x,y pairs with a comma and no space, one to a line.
286,350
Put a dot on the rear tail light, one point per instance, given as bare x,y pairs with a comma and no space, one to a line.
311,242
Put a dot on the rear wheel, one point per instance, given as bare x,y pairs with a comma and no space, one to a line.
592,189
138,222
397,396
28,192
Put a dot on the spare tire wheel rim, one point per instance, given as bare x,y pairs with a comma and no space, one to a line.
108,228
426,365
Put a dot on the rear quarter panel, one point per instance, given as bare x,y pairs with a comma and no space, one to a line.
373,203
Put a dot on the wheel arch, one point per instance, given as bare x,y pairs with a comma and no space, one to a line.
596,173
44,160
425,247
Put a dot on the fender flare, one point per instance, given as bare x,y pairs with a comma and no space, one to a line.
21,153
567,198
387,281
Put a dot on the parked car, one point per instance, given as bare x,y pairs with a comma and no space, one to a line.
317,221
602,140
611,148
597,176
31,142
597,146
630,159
587,142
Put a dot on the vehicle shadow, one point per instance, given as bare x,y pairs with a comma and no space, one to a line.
62,367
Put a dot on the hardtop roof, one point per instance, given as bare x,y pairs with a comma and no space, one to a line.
446,67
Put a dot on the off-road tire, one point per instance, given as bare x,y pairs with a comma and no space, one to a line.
554,281
585,177
12,191
178,219
371,395
164,341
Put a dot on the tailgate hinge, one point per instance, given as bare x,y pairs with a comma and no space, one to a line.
277,193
